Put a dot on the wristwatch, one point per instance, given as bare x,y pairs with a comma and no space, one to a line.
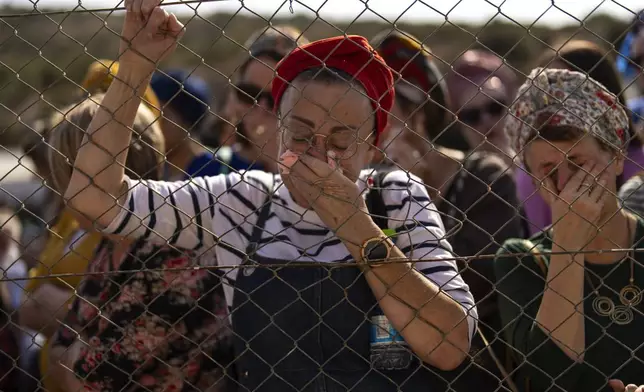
376,249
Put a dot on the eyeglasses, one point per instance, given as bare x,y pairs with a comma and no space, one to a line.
475,115
344,144
251,94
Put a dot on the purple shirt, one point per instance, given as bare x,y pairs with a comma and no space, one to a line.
537,211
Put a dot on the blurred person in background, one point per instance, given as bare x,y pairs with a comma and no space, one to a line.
100,75
34,205
247,127
630,61
14,344
586,57
37,205
632,194
482,87
72,243
185,100
32,199
573,311
66,229
475,193
418,82
286,335
10,260
179,316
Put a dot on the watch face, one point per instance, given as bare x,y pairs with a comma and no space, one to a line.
375,251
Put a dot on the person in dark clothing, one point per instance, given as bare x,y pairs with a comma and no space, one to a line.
474,192
571,310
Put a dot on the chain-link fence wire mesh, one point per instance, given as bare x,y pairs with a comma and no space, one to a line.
232,283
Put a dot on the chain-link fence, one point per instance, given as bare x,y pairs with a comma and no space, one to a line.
239,201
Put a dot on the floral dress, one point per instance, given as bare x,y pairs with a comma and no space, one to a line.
149,320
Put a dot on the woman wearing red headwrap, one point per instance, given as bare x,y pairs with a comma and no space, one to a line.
329,320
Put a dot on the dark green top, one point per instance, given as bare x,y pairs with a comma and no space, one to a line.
612,351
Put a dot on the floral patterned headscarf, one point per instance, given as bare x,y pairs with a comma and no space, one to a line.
566,98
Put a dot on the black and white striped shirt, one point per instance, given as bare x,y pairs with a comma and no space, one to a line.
217,214
632,195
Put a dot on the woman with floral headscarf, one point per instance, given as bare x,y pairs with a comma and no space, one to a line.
317,289
586,57
573,309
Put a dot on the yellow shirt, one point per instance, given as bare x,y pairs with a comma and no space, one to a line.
68,251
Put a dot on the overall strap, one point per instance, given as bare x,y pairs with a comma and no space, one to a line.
258,227
375,202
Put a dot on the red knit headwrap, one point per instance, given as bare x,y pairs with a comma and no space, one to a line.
351,54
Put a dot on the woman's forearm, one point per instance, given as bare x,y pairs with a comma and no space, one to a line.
561,313
99,169
431,322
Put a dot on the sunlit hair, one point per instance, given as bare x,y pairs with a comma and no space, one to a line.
145,157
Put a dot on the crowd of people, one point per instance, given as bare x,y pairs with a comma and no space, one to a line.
350,218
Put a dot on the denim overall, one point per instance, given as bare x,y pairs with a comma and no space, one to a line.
308,328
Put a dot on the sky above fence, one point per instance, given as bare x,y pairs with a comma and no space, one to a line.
476,11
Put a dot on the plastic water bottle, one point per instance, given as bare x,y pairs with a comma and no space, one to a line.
389,351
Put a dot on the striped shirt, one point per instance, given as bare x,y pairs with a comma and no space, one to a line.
217,215
632,195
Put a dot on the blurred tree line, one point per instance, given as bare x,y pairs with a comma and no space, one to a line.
43,57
